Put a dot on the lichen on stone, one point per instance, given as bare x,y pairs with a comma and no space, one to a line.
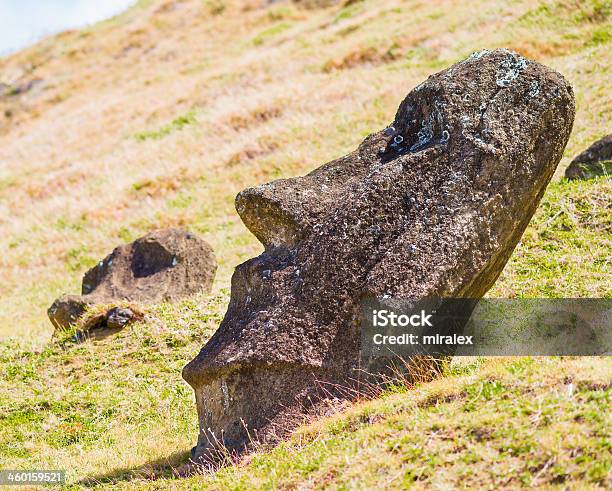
476,55
534,89
509,69
427,131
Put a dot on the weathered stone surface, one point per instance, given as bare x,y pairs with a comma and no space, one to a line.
67,309
164,265
106,322
431,206
594,161
118,317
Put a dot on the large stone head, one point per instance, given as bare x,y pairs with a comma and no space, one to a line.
433,205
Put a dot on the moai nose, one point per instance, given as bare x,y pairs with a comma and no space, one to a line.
283,212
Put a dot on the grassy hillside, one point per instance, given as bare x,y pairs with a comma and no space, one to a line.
115,413
159,117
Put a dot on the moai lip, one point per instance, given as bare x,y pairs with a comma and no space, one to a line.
433,205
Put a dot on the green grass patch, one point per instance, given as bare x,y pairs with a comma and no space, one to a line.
270,32
177,124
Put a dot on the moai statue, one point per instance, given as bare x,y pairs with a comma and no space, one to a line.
431,206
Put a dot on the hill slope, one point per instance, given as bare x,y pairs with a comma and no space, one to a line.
115,413
159,117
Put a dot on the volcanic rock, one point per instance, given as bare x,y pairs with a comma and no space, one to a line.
164,265
431,206
118,317
594,161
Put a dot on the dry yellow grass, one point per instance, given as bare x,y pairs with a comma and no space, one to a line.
159,117
199,99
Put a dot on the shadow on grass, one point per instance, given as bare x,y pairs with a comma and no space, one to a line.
156,469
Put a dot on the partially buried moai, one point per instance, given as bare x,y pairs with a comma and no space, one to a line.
431,206
163,265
